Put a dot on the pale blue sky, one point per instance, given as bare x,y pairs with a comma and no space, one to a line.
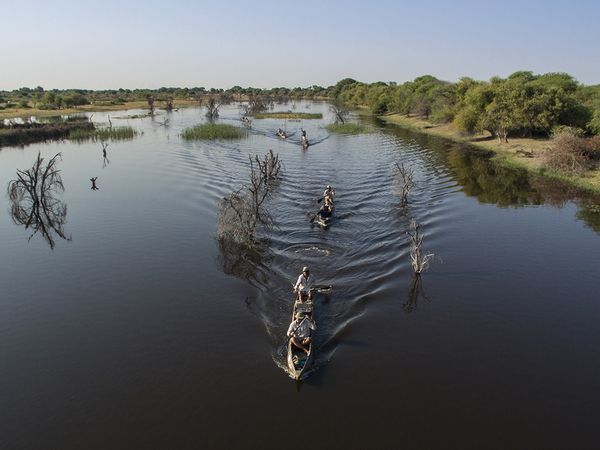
111,44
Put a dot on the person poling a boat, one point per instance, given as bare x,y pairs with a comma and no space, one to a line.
325,211
304,139
304,285
328,195
299,331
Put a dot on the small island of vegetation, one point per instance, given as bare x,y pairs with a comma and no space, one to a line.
287,115
212,130
122,133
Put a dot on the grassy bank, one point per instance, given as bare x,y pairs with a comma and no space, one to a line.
347,128
10,113
518,152
212,131
288,115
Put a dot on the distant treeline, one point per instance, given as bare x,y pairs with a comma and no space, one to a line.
524,104
58,99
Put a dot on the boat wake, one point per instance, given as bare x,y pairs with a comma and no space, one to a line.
363,253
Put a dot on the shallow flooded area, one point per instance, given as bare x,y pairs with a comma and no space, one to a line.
125,323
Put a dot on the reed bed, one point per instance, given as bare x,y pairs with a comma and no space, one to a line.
207,131
123,133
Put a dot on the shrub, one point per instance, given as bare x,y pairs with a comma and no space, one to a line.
571,154
380,106
467,120
594,124
593,147
444,114
573,131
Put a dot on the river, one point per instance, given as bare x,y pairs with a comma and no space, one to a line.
138,330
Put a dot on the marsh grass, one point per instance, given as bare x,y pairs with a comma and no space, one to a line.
103,134
347,128
212,131
288,115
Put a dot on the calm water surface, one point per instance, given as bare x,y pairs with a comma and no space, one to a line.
140,331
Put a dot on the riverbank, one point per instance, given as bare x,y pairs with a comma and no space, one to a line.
518,152
11,113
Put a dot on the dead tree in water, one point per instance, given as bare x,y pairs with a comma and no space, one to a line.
259,191
269,167
212,108
241,212
33,199
419,261
150,101
340,111
256,104
407,183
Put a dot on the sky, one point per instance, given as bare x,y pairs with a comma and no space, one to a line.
111,44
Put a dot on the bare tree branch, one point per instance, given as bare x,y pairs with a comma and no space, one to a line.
33,201
405,176
419,261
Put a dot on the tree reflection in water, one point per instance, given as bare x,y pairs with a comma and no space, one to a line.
589,212
243,261
34,203
416,291
490,182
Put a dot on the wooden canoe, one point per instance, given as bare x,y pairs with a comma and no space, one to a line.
297,360
325,222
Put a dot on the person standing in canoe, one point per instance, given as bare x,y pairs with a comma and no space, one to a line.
304,285
299,331
328,196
